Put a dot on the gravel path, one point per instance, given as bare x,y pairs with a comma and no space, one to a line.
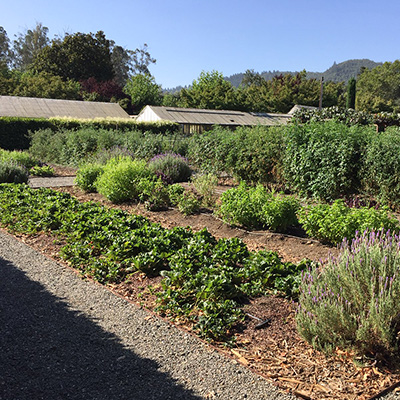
66,338
57,181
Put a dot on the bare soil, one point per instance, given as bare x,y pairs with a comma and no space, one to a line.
275,351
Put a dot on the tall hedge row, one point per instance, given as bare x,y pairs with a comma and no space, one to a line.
15,131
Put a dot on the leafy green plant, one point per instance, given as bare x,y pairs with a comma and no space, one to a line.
120,179
154,194
12,172
323,160
205,185
255,207
333,223
188,203
87,175
170,167
42,170
19,157
175,192
351,301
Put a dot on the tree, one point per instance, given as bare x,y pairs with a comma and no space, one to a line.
5,50
94,90
78,57
122,63
141,60
378,89
210,91
45,85
143,91
351,94
28,45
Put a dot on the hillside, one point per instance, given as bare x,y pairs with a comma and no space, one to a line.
337,73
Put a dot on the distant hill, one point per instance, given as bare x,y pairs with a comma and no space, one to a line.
337,73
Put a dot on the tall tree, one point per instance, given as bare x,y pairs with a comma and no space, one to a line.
351,94
378,89
210,91
5,50
28,45
122,63
78,57
141,60
143,91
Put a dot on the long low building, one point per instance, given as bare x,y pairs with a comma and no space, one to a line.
198,120
32,107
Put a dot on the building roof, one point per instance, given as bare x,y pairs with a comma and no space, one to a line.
14,106
195,116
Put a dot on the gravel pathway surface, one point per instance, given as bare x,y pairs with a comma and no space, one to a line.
57,181
66,338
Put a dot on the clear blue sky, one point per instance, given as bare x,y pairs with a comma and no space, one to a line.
230,36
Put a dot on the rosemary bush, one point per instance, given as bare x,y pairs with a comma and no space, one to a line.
351,302
171,167
12,172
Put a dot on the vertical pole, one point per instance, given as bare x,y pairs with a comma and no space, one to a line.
321,93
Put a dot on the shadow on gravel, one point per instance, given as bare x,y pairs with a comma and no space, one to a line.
48,351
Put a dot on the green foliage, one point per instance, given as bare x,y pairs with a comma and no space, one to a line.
87,175
333,223
42,170
175,192
19,157
79,56
378,89
154,193
170,167
255,207
188,203
210,91
143,91
250,154
120,180
323,160
12,172
381,170
205,185
351,302
351,94
205,280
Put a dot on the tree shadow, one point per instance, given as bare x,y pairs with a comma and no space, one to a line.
48,351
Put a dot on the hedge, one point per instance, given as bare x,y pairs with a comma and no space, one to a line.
15,131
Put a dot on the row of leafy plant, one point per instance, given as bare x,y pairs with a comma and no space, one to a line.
15,132
205,280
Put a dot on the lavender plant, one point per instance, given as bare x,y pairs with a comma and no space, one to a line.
351,302
171,167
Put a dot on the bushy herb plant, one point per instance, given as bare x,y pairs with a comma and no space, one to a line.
255,207
171,167
22,158
205,185
13,172
120,180
87,175
333,223
351,301
42,170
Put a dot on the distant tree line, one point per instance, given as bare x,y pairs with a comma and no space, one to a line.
88,66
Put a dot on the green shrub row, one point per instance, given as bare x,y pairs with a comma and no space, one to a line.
15,131
75,147
255,207
205,280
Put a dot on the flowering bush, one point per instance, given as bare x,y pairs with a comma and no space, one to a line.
351,301
171,167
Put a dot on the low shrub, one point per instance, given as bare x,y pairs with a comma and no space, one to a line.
42,170
20,157
87,175
333,223
205,185
171,167
188,203
175,192
154,194
255,207
12,172
120,180
351,301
